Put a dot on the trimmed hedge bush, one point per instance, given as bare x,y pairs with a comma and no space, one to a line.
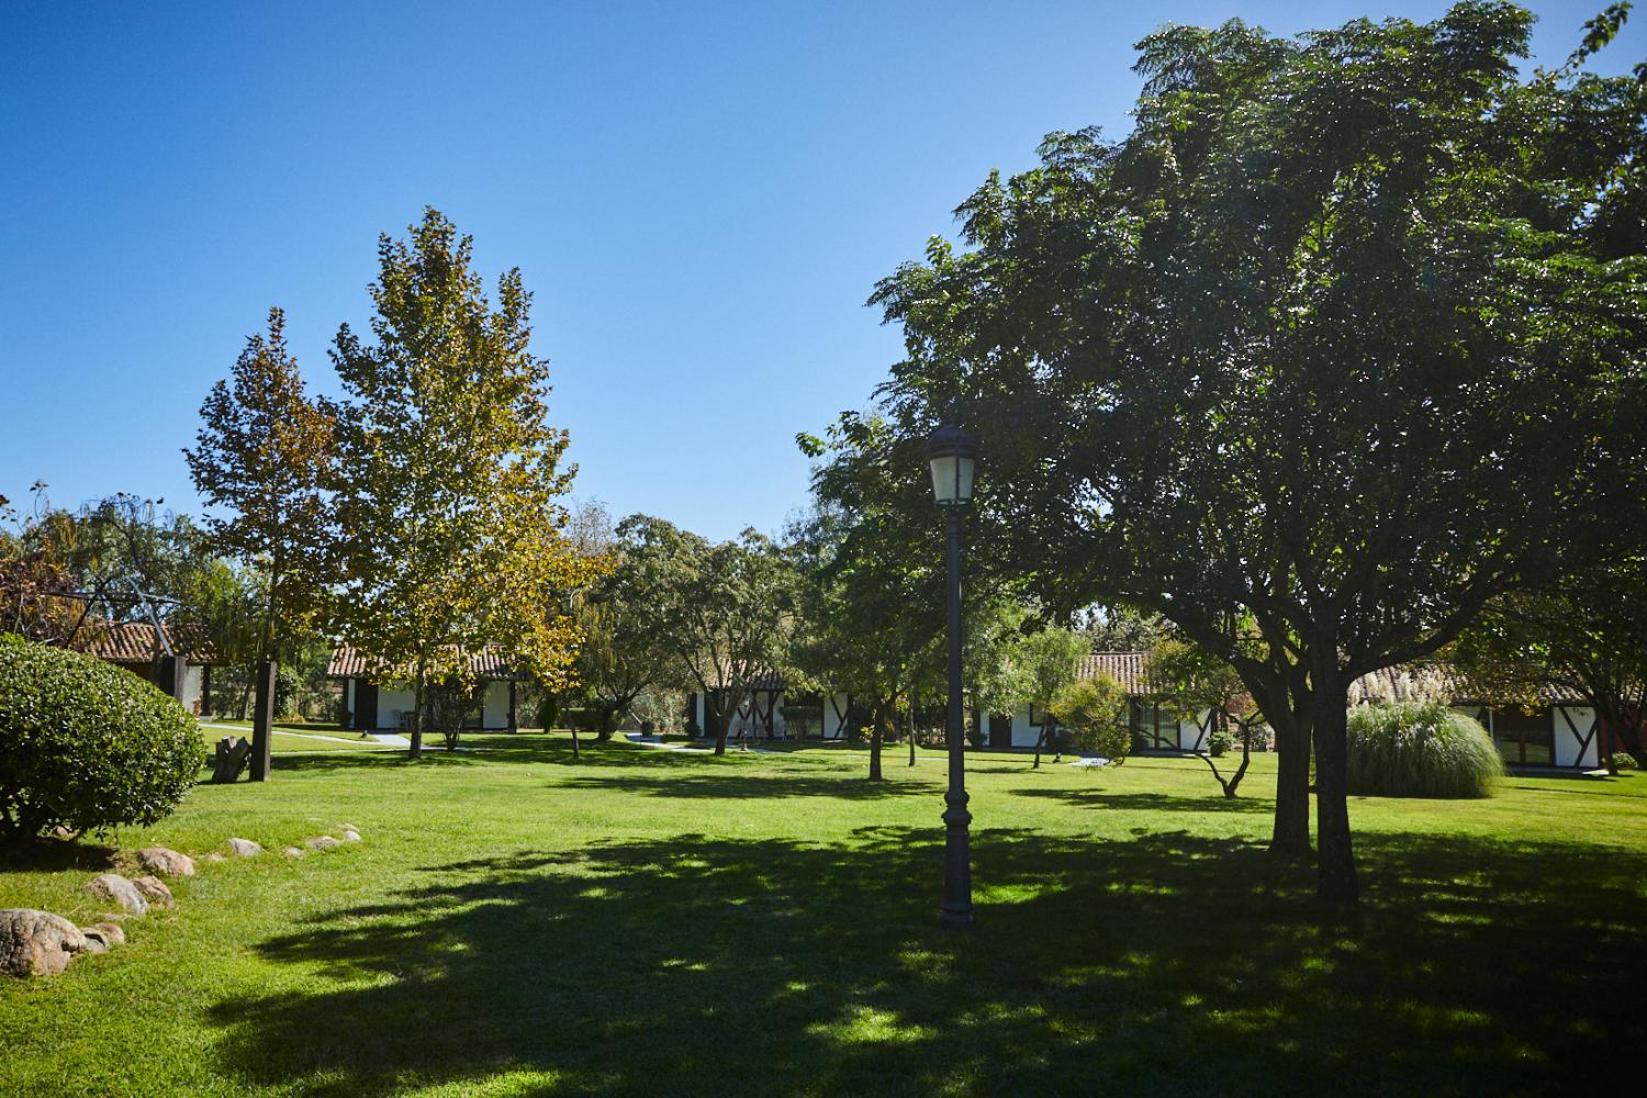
1420,750
86,745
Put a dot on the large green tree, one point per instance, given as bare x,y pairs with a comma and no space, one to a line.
723,609
1346,335
873,598
620,656
449,476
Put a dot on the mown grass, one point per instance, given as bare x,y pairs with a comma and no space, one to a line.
649,921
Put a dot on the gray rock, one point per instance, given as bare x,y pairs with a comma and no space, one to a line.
155,891
292,852
116,889
114,932
322,842
244,848
215,857
37,943
163,862
348,827
350,835
96,940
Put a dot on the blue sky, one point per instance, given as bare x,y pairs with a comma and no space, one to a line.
700,195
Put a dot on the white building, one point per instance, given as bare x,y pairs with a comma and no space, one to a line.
154,657
377,703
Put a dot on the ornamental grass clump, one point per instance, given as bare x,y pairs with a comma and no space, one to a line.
85,745
1420,750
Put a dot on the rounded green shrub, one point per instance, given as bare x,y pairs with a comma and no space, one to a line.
85,745
1420,750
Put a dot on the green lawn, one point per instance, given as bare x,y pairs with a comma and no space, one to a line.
653,921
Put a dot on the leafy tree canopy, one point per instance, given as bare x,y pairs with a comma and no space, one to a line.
1345,335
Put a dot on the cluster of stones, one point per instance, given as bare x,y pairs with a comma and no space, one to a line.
38,943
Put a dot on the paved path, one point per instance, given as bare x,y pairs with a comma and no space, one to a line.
388,739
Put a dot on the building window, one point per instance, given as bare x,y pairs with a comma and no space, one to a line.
1153,727
1526,739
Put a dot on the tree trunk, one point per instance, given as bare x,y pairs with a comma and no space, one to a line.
416,750
268,674
604,732
876,735
720,718
1039,740
576,751
1291,835
1337,880
909,729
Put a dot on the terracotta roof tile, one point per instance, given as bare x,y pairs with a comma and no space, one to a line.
134,642
348,662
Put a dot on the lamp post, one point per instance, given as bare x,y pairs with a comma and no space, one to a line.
953,454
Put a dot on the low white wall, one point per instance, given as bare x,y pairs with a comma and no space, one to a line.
390,705
833,720
494,711
1573,724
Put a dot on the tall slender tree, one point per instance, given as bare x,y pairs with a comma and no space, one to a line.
449,475
261,459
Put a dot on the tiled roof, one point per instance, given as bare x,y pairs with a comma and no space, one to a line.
348,662
1414,682
1130,669
134,642
765,679
1417,682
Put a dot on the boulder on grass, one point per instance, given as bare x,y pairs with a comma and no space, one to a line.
37,943
96,940
323,842
292,852
114,932
163,862
119,891
244,848
350,835
155,891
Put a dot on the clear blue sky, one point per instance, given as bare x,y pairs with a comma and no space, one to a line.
701,197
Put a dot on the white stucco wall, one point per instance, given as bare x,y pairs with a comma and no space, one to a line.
193,679
832,720
390,705
495,706
1572,724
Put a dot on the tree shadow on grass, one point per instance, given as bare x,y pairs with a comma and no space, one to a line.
503,750
736,786
1150,802
1169,963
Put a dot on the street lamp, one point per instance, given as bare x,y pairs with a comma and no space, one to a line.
954,456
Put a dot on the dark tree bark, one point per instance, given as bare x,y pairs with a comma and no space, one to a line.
1233,782
263,719
909,729
416,750
877,734
1290,837
719,716
1338,881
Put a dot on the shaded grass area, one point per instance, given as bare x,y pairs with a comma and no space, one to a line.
652,921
